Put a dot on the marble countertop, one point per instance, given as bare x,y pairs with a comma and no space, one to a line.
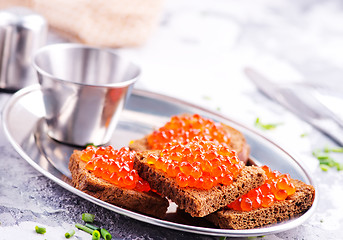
198,54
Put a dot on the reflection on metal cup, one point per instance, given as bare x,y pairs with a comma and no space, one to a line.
22,32
84,91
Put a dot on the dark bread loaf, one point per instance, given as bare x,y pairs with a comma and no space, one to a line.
145,202
237,143
198,202
295,204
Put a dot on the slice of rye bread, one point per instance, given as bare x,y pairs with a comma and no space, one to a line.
148,203
198,202
237,143
295,204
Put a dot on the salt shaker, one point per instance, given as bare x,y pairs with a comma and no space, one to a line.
22,32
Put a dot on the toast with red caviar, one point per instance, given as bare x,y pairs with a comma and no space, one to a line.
85,180
278,199
293,205
187,126
200,177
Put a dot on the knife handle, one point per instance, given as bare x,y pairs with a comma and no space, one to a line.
329,128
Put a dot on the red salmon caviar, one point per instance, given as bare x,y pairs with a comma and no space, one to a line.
114,166
199,166
184,128
246,204
267,200
277,187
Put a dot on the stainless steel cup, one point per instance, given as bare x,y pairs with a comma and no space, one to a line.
84,91
22,32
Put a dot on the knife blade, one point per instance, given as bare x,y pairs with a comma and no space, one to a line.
298,99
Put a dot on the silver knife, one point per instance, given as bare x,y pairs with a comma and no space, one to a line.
298,99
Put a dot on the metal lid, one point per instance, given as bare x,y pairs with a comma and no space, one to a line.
22,17
22,32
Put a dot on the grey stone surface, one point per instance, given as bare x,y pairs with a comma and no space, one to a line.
197,54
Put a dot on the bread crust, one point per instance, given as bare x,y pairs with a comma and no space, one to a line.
145,202
198,202
295,204
237,143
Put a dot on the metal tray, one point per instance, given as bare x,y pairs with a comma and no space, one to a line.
25,128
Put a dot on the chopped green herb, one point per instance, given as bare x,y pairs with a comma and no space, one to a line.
105,234
339,167
70,233
96,235
87,217
40,230
323,157
84,228
218,109
318,153
90,144
92,226
324,167
304,135
96,231
325,160
263,126
337,150
207,97
222,238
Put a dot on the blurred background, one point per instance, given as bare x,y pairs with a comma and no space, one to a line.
179,43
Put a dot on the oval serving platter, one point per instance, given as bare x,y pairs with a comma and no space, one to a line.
25,128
